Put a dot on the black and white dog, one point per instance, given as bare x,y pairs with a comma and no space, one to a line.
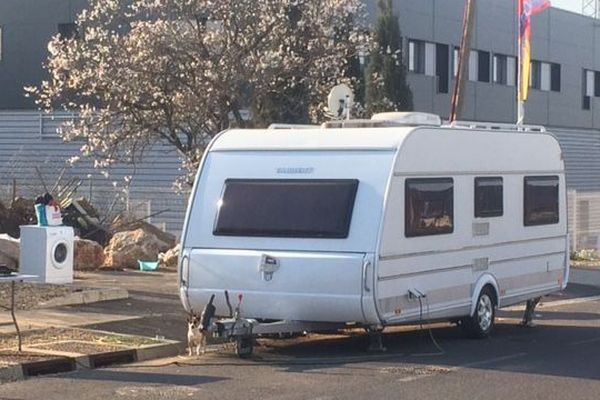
196,335
198,328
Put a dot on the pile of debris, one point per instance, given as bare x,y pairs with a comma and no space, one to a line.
100,242
19,212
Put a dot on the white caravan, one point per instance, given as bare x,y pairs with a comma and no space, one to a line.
374,225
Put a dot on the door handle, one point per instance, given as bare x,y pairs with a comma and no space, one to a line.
366,266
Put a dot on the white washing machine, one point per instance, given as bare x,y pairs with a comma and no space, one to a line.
47,251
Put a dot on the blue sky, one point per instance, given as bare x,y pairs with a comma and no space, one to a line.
571,5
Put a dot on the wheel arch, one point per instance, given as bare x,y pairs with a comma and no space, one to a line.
484,280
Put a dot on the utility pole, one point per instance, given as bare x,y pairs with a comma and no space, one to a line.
462,75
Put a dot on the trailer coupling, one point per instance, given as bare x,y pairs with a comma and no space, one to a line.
244,330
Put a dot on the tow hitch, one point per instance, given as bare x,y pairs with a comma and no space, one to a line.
244,330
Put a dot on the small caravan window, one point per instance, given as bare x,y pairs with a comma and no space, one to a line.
541,200
429,206
488,197
286,208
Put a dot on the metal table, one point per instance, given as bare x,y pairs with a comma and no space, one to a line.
13,279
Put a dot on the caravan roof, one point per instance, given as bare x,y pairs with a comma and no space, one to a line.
422,149
312,139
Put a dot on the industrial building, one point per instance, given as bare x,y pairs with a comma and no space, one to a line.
565,93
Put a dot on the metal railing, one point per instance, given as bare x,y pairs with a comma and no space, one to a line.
584,220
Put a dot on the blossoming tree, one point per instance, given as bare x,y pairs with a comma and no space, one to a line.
140,72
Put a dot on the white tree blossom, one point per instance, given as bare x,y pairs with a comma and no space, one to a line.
180,71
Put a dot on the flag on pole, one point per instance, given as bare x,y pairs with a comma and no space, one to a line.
527,8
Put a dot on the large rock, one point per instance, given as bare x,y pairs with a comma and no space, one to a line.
88,255
169,258
126,248
122,225
9,251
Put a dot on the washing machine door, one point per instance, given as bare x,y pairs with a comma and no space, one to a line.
60,254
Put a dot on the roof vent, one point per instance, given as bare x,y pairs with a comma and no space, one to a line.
357,123
408,118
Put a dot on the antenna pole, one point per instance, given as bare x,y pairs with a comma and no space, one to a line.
463,61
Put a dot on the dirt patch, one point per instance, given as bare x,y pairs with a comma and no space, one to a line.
76,346
9,357
59,335
30,295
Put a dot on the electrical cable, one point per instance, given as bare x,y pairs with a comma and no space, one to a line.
435,343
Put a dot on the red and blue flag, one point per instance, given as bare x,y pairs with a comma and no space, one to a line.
526,9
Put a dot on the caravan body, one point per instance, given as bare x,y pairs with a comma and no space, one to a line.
375,226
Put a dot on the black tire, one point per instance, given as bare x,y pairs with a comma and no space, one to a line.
481,323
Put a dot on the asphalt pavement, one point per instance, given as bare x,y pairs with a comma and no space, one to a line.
557,359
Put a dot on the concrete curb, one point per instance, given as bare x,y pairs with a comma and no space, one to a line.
87,297
11,374
63,364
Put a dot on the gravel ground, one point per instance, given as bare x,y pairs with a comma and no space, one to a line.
9,357
30,295
55,335
75,346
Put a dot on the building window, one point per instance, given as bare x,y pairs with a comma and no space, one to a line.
429,207
430,63
1,47
488,197
455,60
67,31
504,70
555,77
442,64
483,68
535,79
545,76
422,57
588,88
540,200
500,69
596,83
416,56
473,65
511,71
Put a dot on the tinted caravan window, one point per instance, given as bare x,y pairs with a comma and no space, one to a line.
541,200
286,208
488,197
429,207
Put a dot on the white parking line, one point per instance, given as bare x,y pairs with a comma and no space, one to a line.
584,341
465,366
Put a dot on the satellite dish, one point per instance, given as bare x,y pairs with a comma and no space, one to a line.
340,100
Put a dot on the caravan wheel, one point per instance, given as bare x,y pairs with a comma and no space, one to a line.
481,323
